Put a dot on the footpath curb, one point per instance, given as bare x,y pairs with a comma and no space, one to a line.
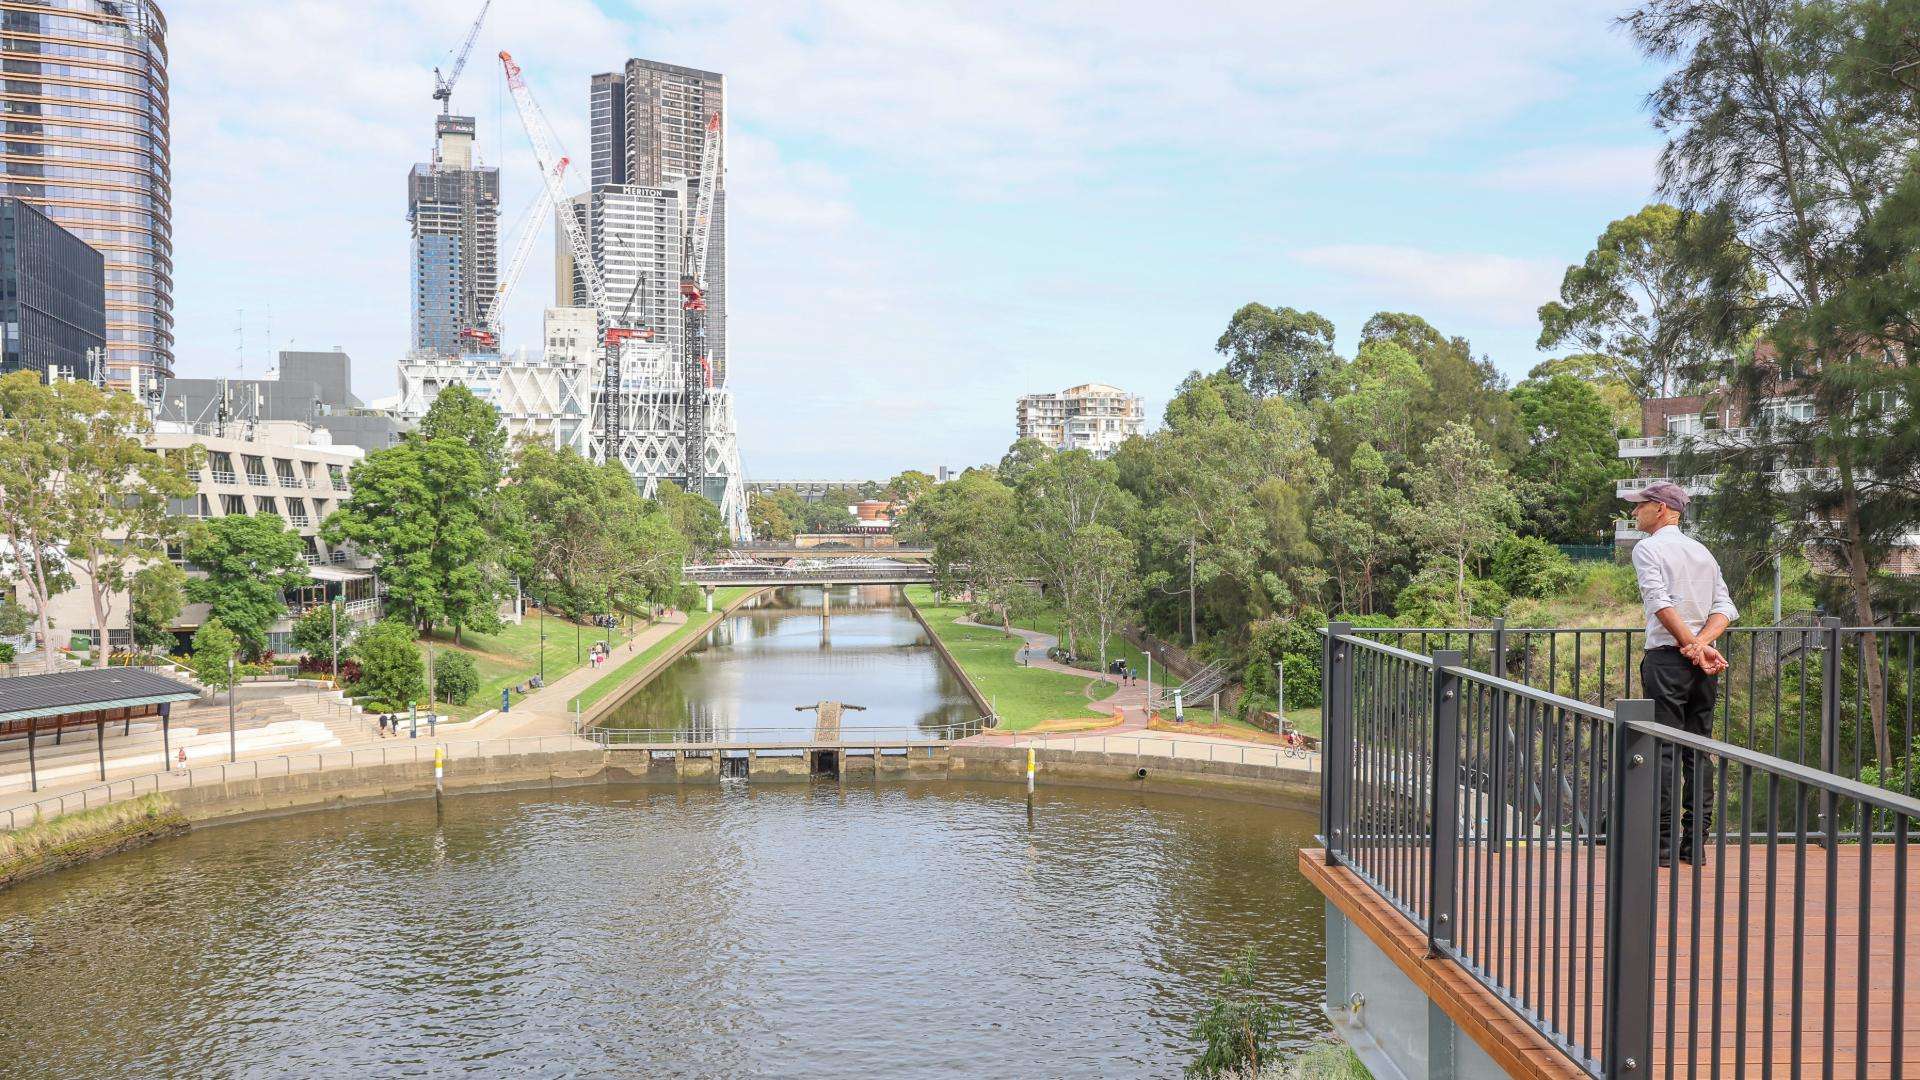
645,675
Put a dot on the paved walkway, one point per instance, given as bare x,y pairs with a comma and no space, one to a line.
549,710
1127,705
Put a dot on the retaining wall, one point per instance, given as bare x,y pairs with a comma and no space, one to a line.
946,656
1266,784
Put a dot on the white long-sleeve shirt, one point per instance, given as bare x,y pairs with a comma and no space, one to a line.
1676,571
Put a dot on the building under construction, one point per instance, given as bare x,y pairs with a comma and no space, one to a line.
454,208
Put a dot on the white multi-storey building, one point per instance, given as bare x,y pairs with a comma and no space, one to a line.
1093,417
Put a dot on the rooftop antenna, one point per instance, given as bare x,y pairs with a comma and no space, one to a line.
240,341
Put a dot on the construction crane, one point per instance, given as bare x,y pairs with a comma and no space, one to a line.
443,87
697,367
540,134
487,334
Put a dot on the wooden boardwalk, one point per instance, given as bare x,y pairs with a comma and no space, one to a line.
1734,938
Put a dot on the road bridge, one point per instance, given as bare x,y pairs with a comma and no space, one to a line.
780,554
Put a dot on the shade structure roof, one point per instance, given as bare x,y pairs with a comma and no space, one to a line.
63,692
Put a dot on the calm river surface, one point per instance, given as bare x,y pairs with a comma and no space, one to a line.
757,664
922,929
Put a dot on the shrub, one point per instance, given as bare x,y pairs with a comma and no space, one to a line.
1529,566
6,653
1237,1029
455,679
390,665
1429,599
213,646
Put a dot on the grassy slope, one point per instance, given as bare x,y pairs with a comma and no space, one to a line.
1053,622
512,656
1023,696
697,623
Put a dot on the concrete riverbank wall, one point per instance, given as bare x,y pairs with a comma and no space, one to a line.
946,656
246,797
604,707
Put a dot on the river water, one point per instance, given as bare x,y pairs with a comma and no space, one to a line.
921,929
748,674
911,929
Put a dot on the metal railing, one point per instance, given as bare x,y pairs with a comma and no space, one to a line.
1649,900
1819,693
1147,748
783,737
408,751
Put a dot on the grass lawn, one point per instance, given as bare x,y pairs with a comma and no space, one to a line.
1024,697
1306,721
697,623
512,656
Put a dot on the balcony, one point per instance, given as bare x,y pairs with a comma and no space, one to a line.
1624,530
224,476
259,479
292,483
1694,485
299,519
1663,445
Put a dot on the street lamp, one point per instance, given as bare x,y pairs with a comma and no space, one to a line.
543,643
335,609
233,741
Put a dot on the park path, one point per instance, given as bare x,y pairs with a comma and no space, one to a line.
1127,705
548,710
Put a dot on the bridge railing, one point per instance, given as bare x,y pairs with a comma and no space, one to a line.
1648,900
791,736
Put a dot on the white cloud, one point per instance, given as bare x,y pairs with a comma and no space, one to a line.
1467,286
1561,170
295,124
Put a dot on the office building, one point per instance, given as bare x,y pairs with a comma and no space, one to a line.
313,388
454,208
53,315
654,139
85,106
1093,417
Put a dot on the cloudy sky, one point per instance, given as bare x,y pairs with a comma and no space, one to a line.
936,207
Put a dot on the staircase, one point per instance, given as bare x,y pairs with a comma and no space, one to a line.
1205,683
325,707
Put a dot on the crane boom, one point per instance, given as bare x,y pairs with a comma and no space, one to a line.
523,248
443,87
703,201
696,368
541,136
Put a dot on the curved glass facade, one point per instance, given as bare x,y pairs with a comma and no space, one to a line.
83,96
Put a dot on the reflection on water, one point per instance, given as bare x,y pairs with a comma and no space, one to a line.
913,930
785,650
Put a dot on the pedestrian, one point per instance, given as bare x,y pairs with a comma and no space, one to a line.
383,725
183,759
1687,608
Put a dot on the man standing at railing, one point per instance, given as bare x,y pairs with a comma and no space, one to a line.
1688,608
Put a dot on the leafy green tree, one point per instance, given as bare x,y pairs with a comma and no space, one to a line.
455,679
158,592
695,515
1461,506
37,435
213,646
1359,527
1436,597
1280,352
14,619
1460,388
1572,459
1790,132
1061,495
391,671
1239,1026
973,525
595,544
1529,566
459,415
768,518
1109,583
250,560
314,633
1375,404
1022,458
430,511
908,486
1642,305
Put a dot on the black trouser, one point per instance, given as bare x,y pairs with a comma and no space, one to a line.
1683,697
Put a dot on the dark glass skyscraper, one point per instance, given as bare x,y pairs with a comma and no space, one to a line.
455,211
53,309
83,94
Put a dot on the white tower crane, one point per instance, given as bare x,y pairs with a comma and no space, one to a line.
443,87
697,368
540,134
487,334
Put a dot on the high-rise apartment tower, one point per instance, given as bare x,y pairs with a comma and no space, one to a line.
649,127
85,106
455,210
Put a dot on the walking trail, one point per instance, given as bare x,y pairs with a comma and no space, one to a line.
1127,705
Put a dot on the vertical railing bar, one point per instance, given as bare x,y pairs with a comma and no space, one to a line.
1672,805
1719,910
1863,986
1899,1002
1633,825
1799,915
1445,795
1830,959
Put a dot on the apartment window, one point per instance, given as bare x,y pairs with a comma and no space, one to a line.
233,504
1798,412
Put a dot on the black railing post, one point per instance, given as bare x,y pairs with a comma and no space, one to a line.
1497,716
1336,736
1446,799
1830,646
1632,839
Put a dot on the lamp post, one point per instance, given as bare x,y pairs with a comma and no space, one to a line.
233,740
543,643
335,609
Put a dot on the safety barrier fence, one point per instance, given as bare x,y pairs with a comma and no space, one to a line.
1219,753
1840,698
793,735
419,751
1652,902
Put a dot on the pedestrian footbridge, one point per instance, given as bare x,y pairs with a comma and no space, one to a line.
848,571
